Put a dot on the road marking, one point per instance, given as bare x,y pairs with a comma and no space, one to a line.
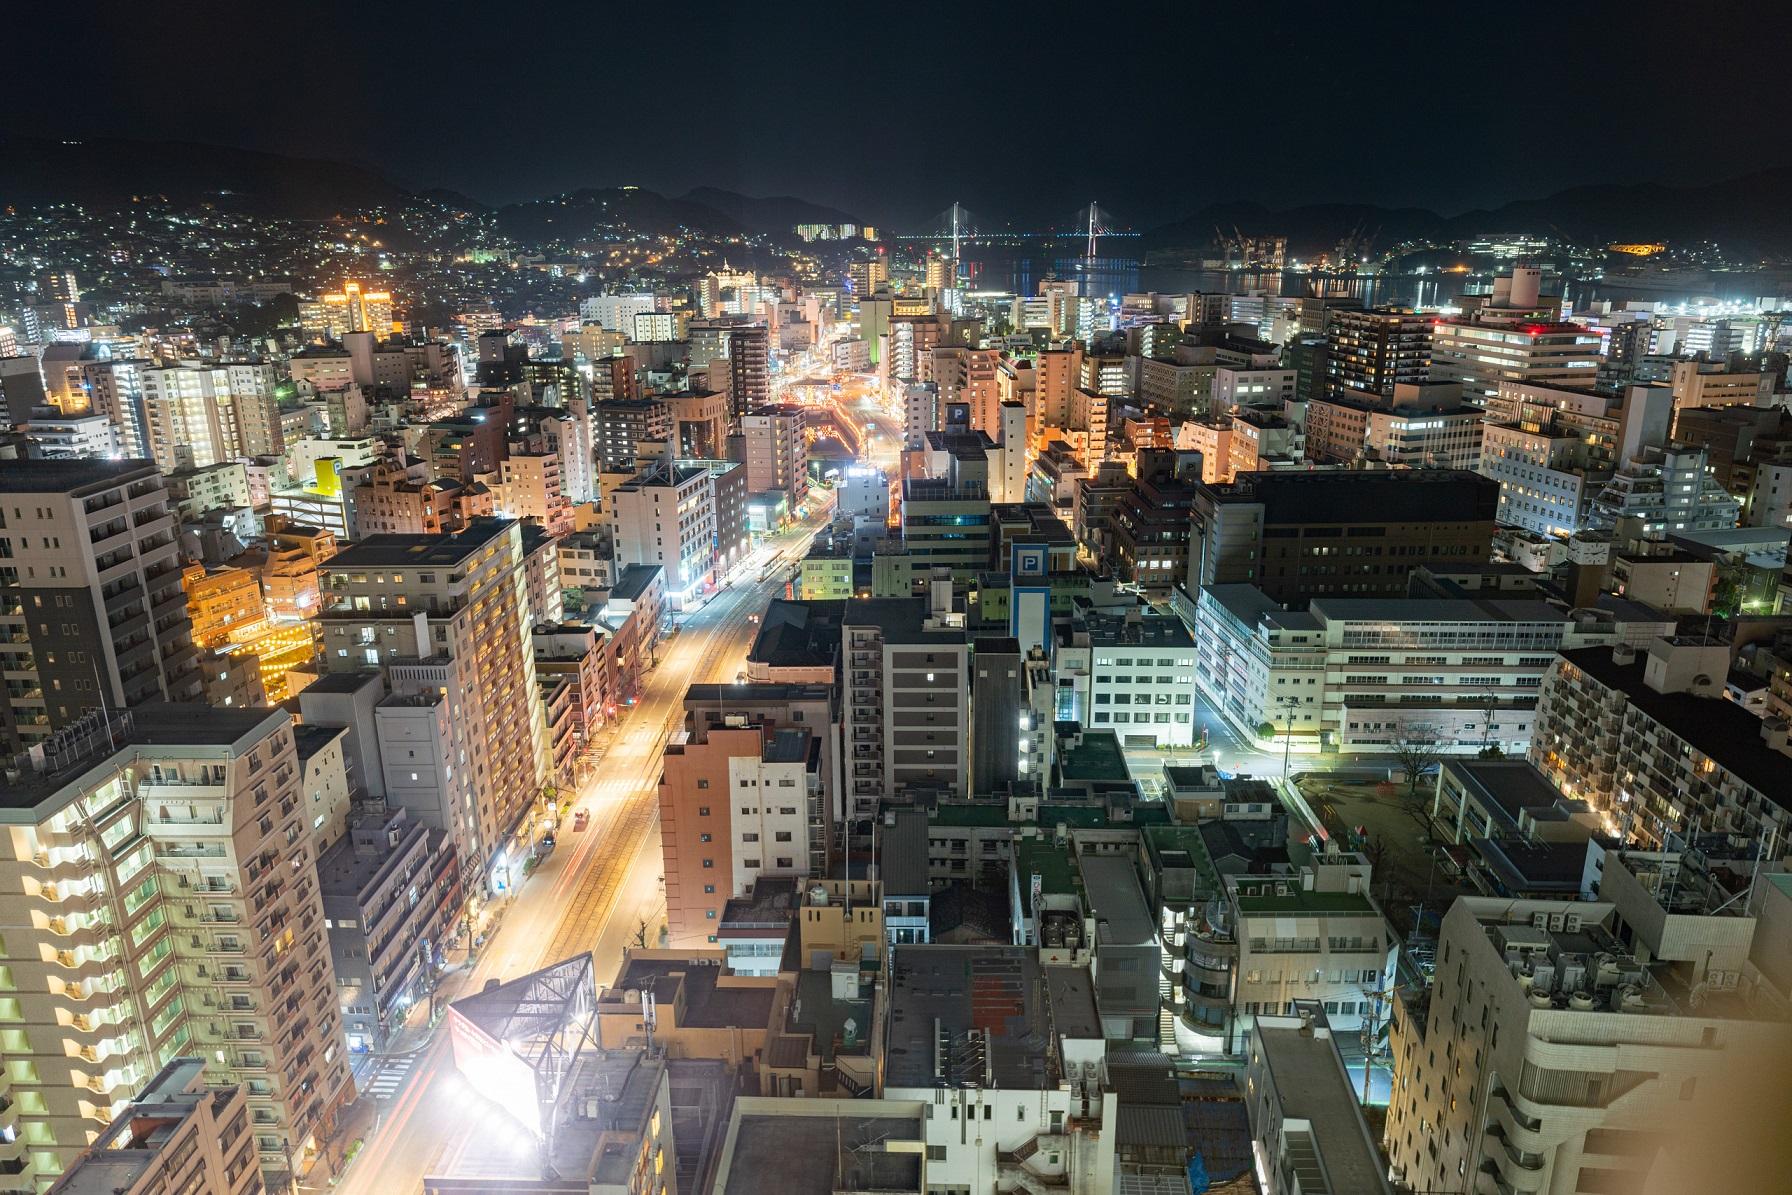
388,1076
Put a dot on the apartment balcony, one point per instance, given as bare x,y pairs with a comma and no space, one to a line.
78,965
190,850
163,790
70,933
205,823
66,899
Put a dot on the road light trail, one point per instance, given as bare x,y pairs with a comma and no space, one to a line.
426,1130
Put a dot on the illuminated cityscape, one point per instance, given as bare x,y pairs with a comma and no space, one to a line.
801,654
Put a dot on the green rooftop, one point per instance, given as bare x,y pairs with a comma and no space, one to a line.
1188,840
1097,757
954,813
1051,863
1299,900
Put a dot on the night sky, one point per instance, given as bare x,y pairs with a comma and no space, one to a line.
1021,111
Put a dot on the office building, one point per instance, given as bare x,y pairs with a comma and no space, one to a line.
445,619
165,858
1698,384
178,1135
1301,535
1363,673
91,608
1141,683
1552,451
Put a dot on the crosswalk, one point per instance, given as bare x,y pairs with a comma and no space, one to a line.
386,1076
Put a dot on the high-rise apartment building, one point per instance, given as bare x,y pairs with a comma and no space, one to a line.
1668,489
445,617
616,313
734,806
351,309
200,415
749,368
777,456
905,701
620,424
1648,739
91,608
161,870
1373,351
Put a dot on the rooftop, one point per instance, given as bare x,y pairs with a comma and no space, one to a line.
1345,497
1147,630
968,1016
1510,788
1116,901
34,476
1051,862
1257,895
1072,996
1096,756
1312,1086
413,551
708,1004
1251,606
94,744
813,1147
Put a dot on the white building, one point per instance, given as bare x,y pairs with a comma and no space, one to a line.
666,516
1598,1045
1141,684
1273,940
1481,355
1670,489
1363,673
75,437
616,313
1238,387
1002,1098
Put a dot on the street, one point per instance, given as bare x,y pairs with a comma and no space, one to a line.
592,893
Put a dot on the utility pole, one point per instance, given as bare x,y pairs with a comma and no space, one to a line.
1290,704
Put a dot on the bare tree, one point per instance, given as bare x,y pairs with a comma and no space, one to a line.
1418,748
640,936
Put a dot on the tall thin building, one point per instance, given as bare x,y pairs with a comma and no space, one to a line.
91,608
451,613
